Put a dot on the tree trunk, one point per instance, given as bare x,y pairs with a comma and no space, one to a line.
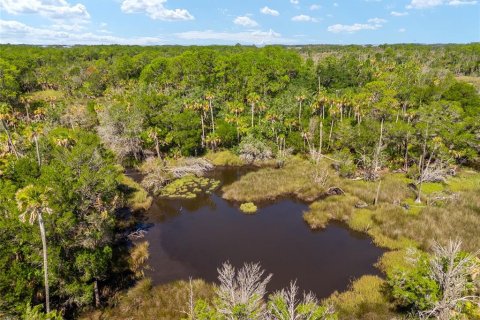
300,112
9,137
157,147
27,109
330,135
253,111
45,261
419,192
421,164
211,114
203,130
39,160
379,148
97,294
321,139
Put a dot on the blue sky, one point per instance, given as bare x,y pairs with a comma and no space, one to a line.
152,22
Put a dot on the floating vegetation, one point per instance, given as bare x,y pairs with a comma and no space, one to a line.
248,207
188,187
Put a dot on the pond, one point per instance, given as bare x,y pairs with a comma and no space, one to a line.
193,237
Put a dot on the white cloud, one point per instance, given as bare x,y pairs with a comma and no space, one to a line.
52,9
269,11
314,7
335,4
155,9
303,18
398,14
294,1
372,24
245,21
377,20
19,33
461,3
402,30
248,37
422,4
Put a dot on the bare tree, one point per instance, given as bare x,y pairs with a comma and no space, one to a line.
240,294
287,305
452,270
158,172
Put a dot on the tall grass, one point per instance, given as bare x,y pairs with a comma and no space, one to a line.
296,178
146,302
364,300
137,197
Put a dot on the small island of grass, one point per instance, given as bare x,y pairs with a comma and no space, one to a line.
248,207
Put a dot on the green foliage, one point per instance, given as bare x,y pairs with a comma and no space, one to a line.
364,299
36,313
136,99
414,288
248,207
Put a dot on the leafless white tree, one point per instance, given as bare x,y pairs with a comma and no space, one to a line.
287,305
453,271
242,292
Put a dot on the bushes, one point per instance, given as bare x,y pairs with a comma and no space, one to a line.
441,286
248,207
364,300
252,149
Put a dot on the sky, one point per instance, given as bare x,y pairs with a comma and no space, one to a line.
258,22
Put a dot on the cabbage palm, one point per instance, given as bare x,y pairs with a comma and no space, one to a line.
33,203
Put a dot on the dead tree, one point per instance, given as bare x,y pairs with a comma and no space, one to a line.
453,271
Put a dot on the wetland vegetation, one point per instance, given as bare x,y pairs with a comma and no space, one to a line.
127,170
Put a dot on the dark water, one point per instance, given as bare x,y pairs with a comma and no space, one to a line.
193,238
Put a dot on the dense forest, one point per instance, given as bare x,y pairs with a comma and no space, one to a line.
375,122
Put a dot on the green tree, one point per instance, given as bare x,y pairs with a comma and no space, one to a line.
33,202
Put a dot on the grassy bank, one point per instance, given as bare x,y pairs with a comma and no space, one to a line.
295,178
137,197
153,303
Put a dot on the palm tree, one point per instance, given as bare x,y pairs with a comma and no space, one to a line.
153,134
236,108
214,141
33,202
300,99
253,99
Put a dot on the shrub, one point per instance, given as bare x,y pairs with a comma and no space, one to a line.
252,149
224,158
248,207
364,300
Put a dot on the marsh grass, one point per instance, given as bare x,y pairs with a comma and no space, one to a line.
137,197
224,158
396,221
295,178
365,299
146,302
